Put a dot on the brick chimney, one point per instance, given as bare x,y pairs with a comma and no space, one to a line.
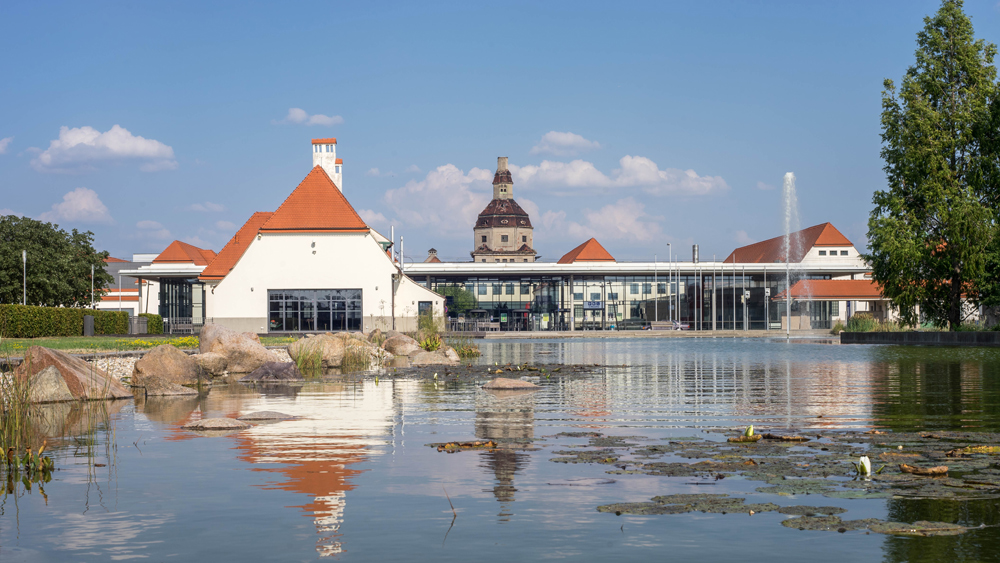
325,155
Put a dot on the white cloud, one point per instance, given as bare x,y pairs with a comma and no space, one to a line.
635,172
372,217
152,230
79,148
4,143
197,241
743,239
447,199
413,169
80,205
6,211
207,206
763,186
563,144
372,172
624,220
225,226
300,116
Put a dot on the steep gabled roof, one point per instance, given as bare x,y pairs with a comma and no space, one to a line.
234,249
112,259
590,251
182,252
834,290
773,250
316,205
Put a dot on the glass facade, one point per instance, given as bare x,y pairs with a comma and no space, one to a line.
182,299
704,300
322,310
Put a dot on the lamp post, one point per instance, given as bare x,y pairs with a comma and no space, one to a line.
24,262
91,286
656,286
670,260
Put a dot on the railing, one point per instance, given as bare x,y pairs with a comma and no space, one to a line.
183,325
473,326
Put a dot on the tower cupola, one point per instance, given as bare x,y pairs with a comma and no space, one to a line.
503,183
325,156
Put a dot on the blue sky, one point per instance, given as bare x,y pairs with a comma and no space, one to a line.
637,123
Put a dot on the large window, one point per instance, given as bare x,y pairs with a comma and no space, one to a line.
294,310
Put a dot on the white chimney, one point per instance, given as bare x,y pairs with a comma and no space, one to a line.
325,155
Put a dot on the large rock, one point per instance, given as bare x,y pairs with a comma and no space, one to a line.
401,345
320,352
48,386
168,363
156,386
217,424
275,371
451,354
83,380
437,357
211,363
243,353
511,384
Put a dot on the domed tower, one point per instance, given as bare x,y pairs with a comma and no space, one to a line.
503,231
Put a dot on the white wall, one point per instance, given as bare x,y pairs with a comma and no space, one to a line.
314,261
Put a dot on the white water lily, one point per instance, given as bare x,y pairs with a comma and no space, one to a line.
864,466
435,376
749,431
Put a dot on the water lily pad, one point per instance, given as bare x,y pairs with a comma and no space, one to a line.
643,508
859,494
919,528
828,523
803,510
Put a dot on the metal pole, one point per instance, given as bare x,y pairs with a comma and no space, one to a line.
767,309
670,267
788,298
746,306
119,292
91,286
656,301
402,259
24,261
713,293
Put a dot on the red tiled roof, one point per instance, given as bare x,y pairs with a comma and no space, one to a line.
182,252
834,290
590,251
316,205
111,259
433,259
339,161
329,141
234,249
773,250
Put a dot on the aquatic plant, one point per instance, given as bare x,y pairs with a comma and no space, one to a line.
431,343
749,431
464,347
863,466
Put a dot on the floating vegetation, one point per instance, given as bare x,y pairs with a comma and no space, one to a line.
452,447
679,504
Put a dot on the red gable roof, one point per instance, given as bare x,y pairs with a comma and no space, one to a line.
182,252
329,141
590,251
316,205
773,250
112,259
834,290
234,249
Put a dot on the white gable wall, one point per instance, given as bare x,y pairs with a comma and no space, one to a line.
315,261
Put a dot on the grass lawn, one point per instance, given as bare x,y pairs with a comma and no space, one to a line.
90,344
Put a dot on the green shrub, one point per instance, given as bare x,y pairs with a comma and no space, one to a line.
431,343
154,324
862,322
837,328
28,321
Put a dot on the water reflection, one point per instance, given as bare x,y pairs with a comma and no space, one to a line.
507,416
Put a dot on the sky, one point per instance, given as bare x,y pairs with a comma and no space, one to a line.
640,124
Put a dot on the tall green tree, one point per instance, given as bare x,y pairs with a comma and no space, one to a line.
58,272
932,230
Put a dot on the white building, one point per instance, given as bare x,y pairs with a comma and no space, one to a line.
313,265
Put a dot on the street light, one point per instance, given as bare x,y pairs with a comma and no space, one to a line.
24,261
670,262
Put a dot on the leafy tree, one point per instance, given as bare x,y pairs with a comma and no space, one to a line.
931,231
58,264
462,299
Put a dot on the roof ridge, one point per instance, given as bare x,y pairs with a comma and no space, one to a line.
315,205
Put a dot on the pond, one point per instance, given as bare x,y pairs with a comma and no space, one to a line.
352,476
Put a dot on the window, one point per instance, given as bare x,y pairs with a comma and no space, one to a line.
496,259
843,253
496,289
510,289
482,287
484,238
292,310
647,288
834,308
525,289
578,311
503,238
578,296
633,289
484,260
470,287
823,252
661,288
612,297
595,296
524,238
504,260
525,259
338,170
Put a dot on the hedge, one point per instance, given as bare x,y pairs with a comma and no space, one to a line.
21,321
154,323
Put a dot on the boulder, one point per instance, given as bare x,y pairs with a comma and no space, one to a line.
327,350
437,357
217,424
83,380
507,383
451,354
376,336
168,363
275,371
211,363
266,415
48,386
243,353
401,345
252,336
156,386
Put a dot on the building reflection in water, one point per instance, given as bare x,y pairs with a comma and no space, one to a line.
508,417
317,454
